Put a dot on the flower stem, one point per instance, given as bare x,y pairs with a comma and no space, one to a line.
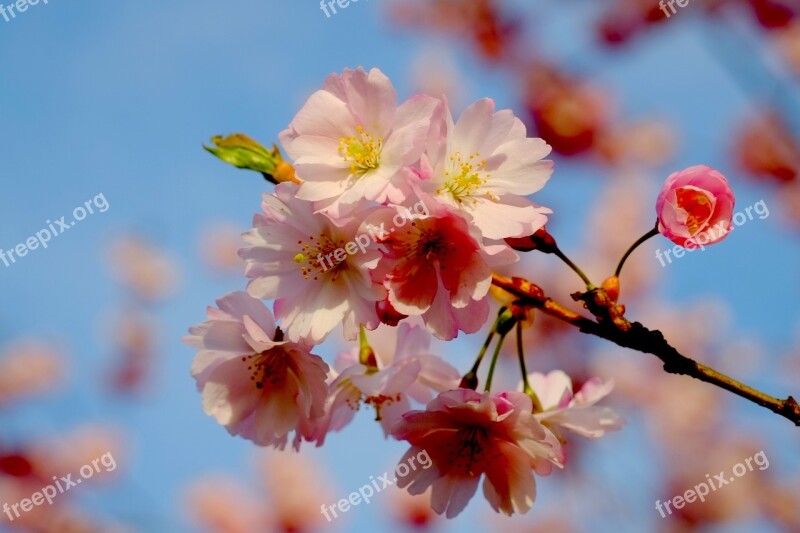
652,233
495,357
366,355
470,379
537,405
574,267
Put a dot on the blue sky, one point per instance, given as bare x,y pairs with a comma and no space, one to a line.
118,97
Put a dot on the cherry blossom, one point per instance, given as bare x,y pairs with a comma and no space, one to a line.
351,141
577,412
302,260
469,434
436,267
254,383
485,166
404,370
397,224
695,202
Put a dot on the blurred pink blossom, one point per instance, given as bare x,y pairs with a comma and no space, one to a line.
29,368
296,487
143,268
221,505
412,510
81,446
219,247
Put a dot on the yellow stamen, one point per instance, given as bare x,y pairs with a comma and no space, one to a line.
362,151
464,177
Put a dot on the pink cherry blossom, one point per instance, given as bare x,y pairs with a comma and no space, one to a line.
576,413
435,267
302,260
695,206
350,141
468,434
405,371
485,166
252,382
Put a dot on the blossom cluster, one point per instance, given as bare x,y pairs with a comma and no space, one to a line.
361,161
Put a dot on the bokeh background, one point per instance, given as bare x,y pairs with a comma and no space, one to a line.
117,98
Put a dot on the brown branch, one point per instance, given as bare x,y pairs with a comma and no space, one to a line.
637,337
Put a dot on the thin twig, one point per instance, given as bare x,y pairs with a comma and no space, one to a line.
642,339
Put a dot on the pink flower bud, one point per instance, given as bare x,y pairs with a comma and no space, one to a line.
695,207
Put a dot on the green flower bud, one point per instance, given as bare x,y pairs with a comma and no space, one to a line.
242,151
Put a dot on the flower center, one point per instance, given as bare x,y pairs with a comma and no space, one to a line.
424,240
697,206
354,397
469,452
433,245
267,368
464,176
316,256
379,401
362,151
